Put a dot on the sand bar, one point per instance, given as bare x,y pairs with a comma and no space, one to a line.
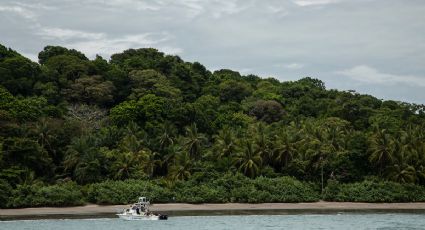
193,208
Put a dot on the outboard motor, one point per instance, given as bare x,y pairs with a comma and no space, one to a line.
163,217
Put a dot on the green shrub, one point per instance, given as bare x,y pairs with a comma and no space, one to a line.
238,188
201,193
374,191
226,188
282,189
59,195
6,191
124,192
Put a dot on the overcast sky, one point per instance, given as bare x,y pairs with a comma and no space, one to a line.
371,46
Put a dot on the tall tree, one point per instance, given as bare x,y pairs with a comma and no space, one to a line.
381,149
194,141
248,160
181,169
225,144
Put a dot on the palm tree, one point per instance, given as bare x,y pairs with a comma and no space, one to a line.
262,141
336,137
150,162
90,168
44,135
110,136
131,144
402,173
247,160
319,145
381,148
171,154
182,167
194,141
225,143
134,158
76,151
133,129
413,143
399,169
168,135
225,146
419,146
420,174
284,148
83,160
323,149
126,164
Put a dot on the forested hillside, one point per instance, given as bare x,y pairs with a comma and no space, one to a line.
74,130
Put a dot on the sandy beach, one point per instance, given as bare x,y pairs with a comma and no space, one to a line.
205,208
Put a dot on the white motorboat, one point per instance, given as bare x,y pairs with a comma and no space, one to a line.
140,211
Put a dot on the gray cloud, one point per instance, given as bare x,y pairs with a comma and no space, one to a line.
134,4
361,45
18,10
100,43
66,34
314,2
368,74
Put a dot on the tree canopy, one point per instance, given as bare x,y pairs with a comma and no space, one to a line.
145,114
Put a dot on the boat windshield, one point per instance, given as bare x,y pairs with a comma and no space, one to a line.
143,200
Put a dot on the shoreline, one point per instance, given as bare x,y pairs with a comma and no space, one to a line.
181,209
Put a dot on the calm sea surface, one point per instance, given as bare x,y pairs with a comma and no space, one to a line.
302,221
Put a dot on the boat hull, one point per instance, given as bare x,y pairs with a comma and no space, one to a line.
138,217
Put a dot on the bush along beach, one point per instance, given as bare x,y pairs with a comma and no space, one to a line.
75,130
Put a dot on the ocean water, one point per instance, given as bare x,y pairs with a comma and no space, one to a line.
245,222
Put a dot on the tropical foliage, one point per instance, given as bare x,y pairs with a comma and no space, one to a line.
144,115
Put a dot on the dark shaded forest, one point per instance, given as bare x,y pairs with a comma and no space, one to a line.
75,130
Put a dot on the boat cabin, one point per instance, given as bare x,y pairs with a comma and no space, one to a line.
143,200
142,205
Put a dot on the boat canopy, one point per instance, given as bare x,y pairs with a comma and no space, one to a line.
143,200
